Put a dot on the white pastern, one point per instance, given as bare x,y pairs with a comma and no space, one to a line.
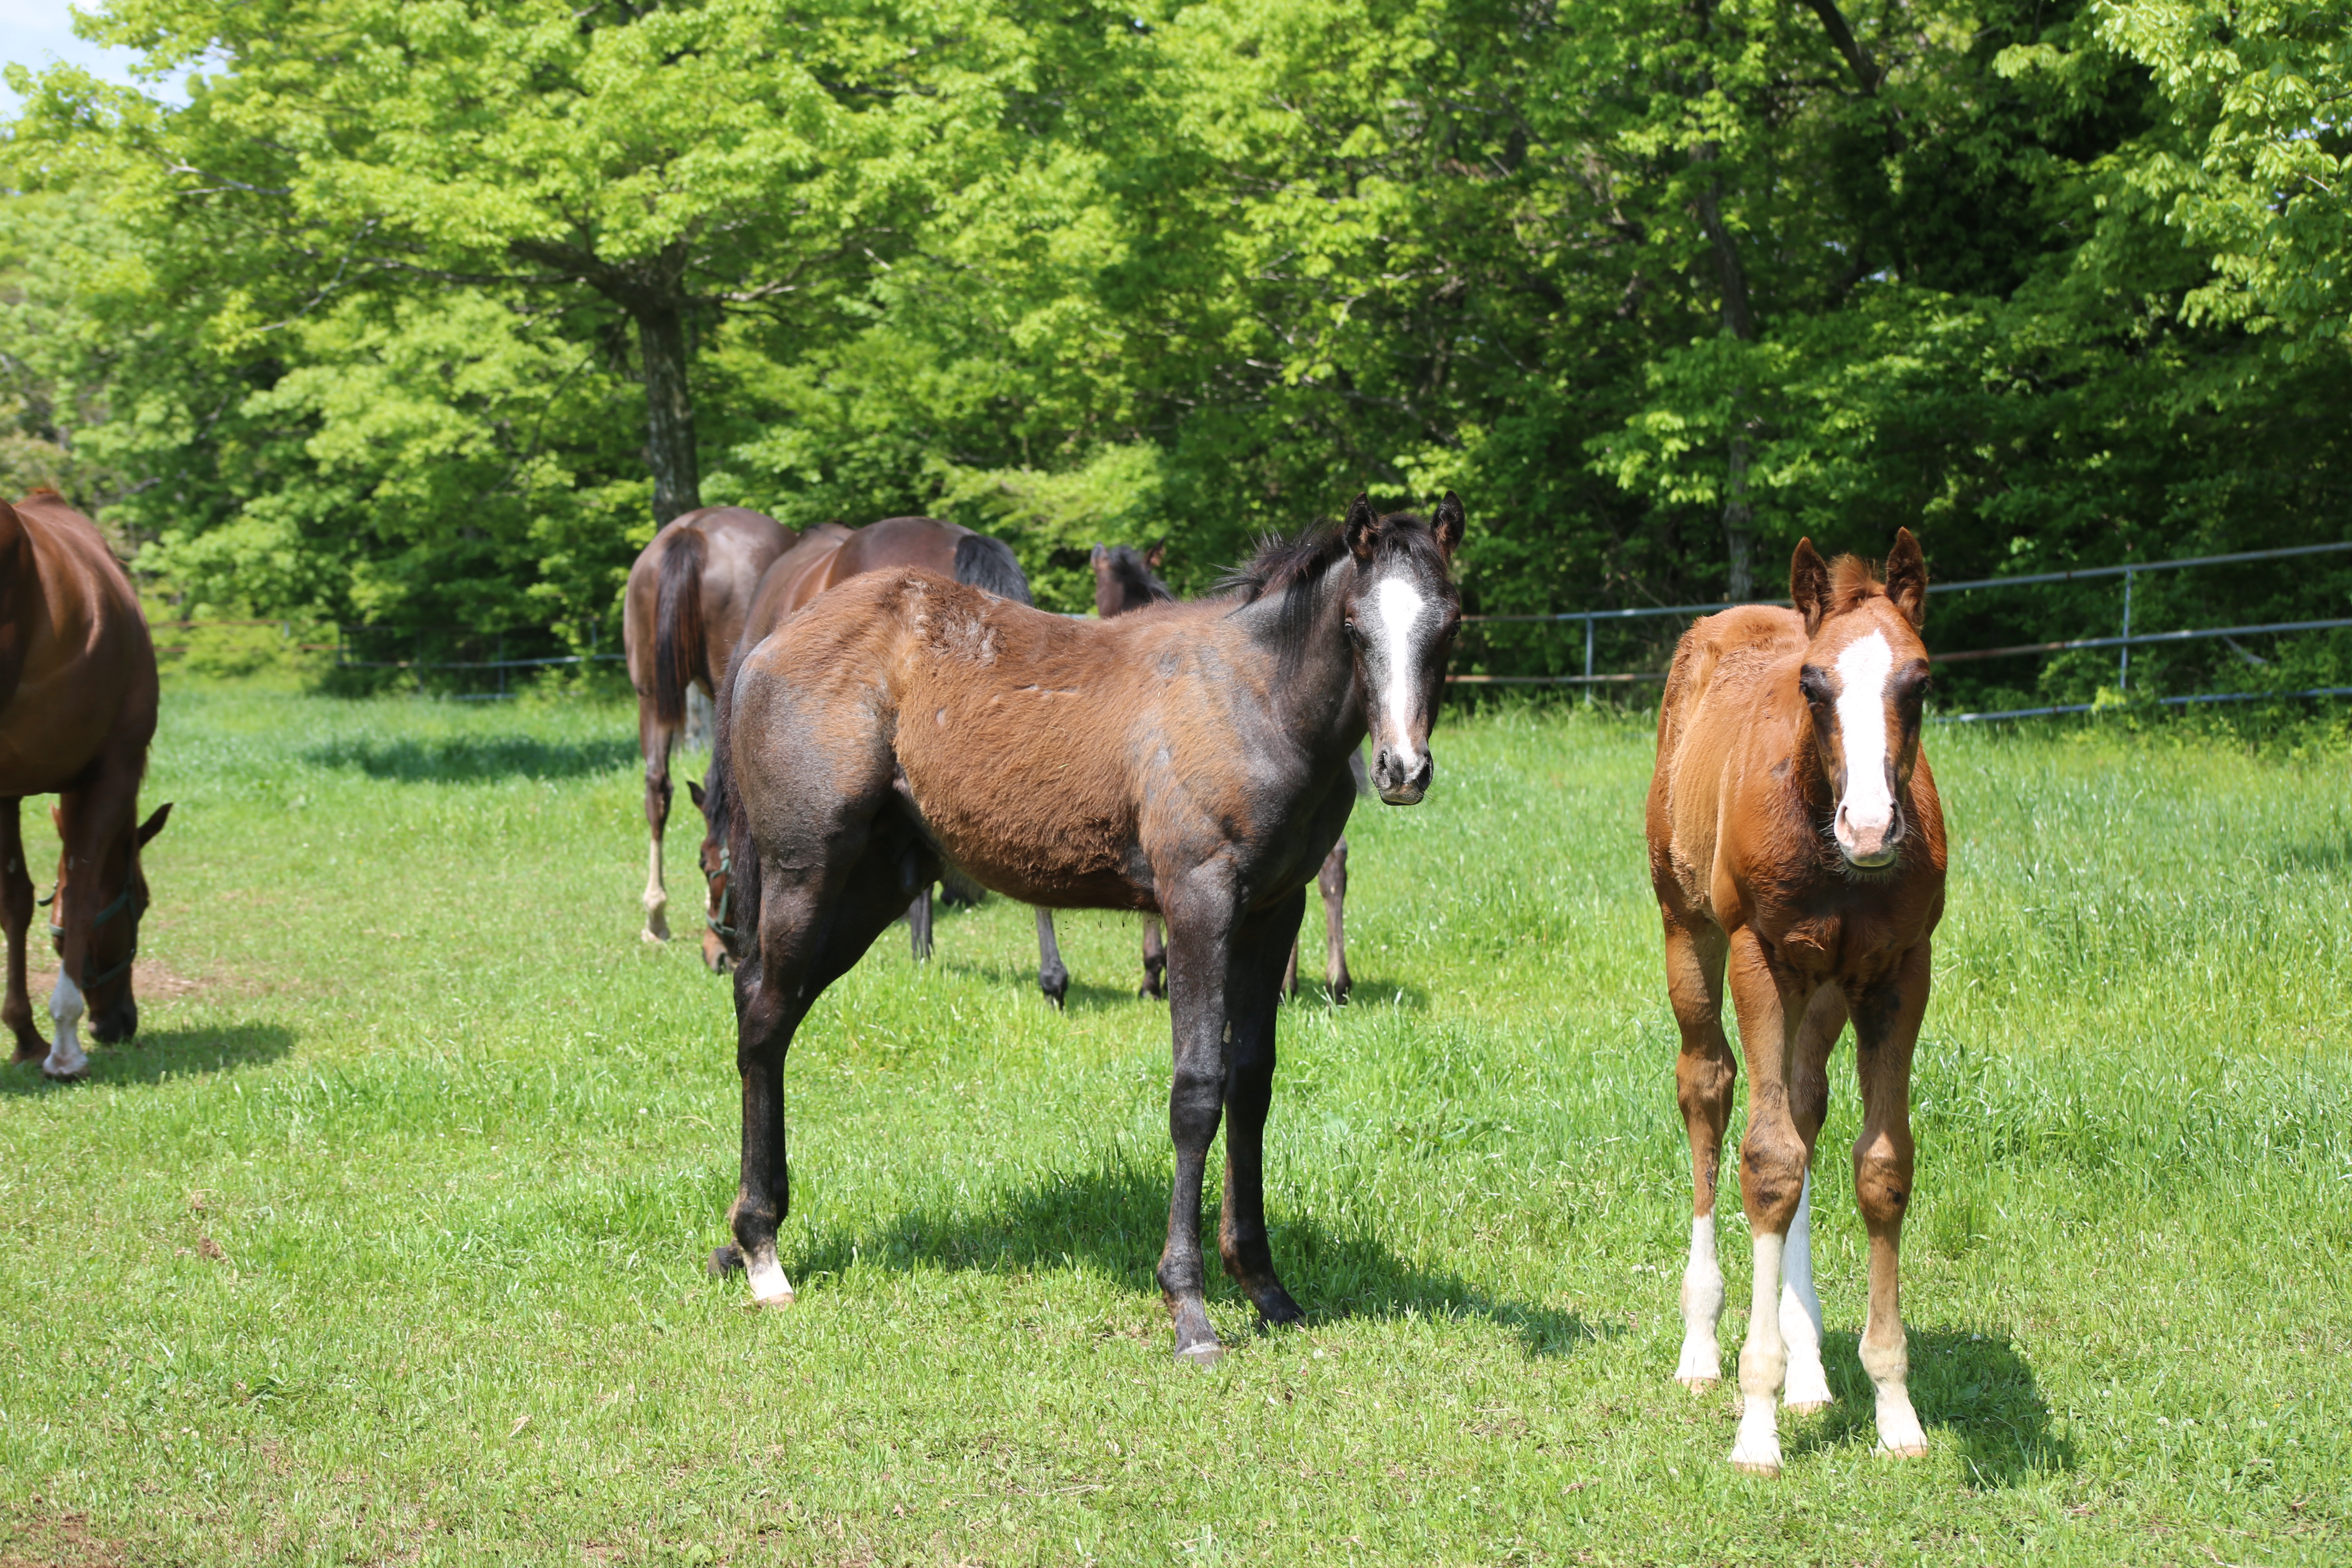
1899,1434
66,1059
1808,1385
1867,810
1763,1362
1702,1360
769,1286
1401,606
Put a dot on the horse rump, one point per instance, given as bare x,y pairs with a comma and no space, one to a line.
988,564
678,649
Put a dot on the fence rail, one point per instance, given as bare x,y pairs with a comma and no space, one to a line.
2125,642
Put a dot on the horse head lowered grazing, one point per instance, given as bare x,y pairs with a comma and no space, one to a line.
1187,759
1795,838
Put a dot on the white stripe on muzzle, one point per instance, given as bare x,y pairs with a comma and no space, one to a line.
1401,606
1866,814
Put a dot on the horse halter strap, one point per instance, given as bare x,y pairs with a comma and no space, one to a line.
718,922
122,901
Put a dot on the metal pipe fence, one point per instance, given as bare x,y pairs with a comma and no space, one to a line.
2124,643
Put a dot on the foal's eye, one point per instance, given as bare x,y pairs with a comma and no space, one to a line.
1814,685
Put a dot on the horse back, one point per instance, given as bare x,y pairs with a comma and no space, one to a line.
76,666
1726,698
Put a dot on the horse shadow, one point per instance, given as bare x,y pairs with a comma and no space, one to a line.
154,1055
2325,857
1113,1218
467,759
1974,1387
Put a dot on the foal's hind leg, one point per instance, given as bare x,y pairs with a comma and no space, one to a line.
16,915
655,740
1252,998
1155,959
1808,1385
1052,979
1886,1031
1334,882
1703,1075
919,924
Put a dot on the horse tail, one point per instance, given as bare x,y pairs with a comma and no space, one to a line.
990,565
678,625
730,828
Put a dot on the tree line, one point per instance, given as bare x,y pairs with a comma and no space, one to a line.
428,314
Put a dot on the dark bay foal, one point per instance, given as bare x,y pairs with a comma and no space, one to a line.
1127,579
1189,760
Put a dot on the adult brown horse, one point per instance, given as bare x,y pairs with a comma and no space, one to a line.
1189,759
77,695
830,555
1127,579
1795,836
681,618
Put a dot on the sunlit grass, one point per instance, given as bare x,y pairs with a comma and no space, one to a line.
461,1143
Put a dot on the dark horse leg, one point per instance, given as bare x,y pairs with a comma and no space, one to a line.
17,914
919,924
811,931
1052,979
1252,992
655,739
1155,959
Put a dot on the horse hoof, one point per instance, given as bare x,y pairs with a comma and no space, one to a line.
1907,1451
651,935
1807,1406
1698,1384
1207,1355
1747,1467
70,1075
782,1300
725,1260
1280,1310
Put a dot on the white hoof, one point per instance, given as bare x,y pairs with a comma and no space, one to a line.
1757,1450
1701,1364
651,935
769,1286
1900,1435
1807,1388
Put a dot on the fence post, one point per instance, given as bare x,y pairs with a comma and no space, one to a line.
1588,660
2123,666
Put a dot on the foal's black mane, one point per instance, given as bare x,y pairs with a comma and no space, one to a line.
1291,567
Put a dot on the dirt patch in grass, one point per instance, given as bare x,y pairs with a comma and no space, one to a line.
152,980
34,1539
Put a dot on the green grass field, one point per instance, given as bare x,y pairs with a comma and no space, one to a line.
384,1243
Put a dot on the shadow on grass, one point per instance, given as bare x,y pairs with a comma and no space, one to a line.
2328,856
473,760
1974,1387
158,1054
1114,1218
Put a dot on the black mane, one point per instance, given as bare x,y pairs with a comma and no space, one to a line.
1287,565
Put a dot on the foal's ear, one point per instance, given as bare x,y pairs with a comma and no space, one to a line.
1808,584
154,824
1363,527
1100,558
1156,554
694,792
1906,578
1450,524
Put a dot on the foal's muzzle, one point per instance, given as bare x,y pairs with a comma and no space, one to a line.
1402,782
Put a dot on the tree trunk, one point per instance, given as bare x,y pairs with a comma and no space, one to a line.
1738,321
669,412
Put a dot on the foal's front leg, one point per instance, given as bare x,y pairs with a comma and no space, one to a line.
17,914
1199,933
1886,1031
1772,1162
1252,996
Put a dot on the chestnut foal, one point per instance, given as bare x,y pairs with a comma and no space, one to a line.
1127,579
1795,835
1189,760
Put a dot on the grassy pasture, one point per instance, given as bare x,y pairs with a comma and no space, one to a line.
384,1243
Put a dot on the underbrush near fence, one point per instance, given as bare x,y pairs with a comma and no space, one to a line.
386,1242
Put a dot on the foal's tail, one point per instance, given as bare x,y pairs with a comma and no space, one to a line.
990,565
678,625
730,829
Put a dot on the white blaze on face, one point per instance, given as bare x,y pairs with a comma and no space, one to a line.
1866,814
66,1008
1401,606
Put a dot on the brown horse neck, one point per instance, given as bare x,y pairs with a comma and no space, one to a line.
1312,681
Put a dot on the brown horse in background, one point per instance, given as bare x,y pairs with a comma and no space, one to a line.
681,618
1189,760
1795,836
1127,579
827,556
77,695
